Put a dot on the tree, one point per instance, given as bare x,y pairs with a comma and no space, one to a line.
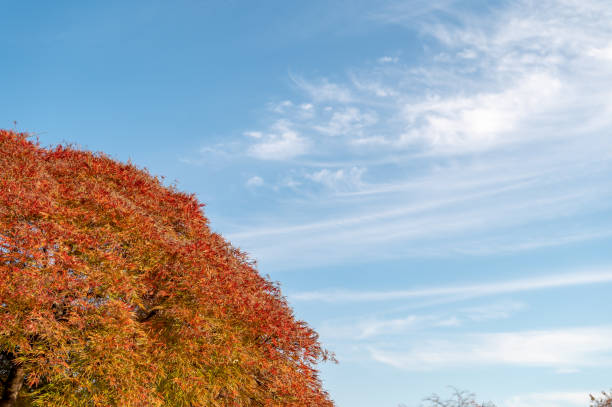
460,398
115,292
604,401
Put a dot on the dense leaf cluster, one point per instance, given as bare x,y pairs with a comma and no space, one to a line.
115,292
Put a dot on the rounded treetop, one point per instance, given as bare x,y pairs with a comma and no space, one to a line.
115,292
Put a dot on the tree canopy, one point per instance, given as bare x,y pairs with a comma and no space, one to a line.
115,292
460,398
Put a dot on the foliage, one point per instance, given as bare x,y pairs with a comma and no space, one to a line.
605,400
115,292
459,398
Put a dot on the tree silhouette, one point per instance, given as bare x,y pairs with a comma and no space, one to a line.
459,398
115,292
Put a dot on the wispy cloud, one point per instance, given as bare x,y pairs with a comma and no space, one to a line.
463,291
482,120
388,60
253,134
349,121
339,180
503,124
549,399
282,144
323,90
362,328
366,328
255,181
496,140
558,348
493,311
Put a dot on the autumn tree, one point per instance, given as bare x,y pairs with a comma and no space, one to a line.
115,292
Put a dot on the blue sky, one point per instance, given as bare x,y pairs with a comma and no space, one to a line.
428,180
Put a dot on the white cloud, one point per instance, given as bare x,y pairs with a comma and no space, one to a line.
604,53
419,208
253,134
387,59
499,146
482,120
467,54
349,121
462,291
283,144
510,131
483,212
549,399
324,91
341,179
371,141
290,182
559,348
448,322
255,181
534,54
493,311
367,327
377,327
281,107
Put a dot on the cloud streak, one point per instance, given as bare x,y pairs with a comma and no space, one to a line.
462,291
378,325
558,349
503,124
549,399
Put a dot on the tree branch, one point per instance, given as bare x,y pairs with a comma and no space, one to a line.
145,315
12,385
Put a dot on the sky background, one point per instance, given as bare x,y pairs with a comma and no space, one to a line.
429,181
